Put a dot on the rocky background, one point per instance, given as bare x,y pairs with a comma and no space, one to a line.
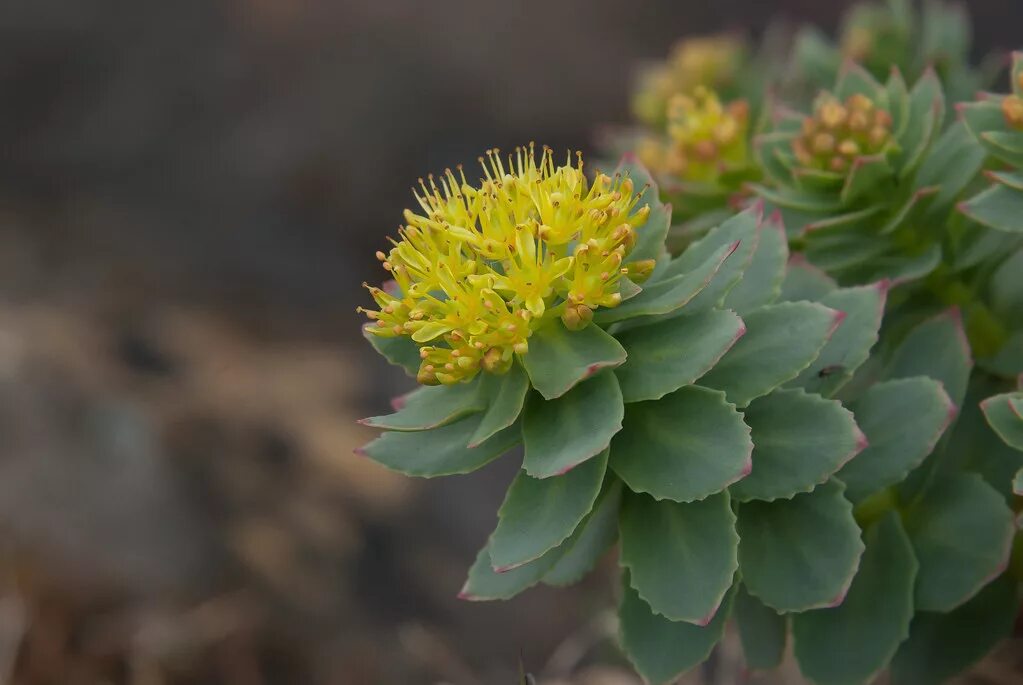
190,194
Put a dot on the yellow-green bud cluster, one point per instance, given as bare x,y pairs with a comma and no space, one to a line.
705,138
704,61
838,133
478,268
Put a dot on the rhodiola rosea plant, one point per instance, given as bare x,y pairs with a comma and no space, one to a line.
790,402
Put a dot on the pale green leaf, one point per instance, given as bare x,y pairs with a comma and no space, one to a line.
683,447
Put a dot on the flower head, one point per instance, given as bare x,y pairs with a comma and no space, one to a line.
705,137
479,267
838,133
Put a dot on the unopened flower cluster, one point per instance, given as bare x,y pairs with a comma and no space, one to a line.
479,268
840,132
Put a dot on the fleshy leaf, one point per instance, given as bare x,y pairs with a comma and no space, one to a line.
804,281
484,583
937,348
744,229
440,451
591,539
559,359
399,350
683,447
851,643
659,649
851,342
999,207
951,165
563,433
666,296
670,354
1003,413
780,341
432,407
539,514
799,441
762,630
865,175
903,420
941,645
506,395
762,279
962,532
800,553
665,542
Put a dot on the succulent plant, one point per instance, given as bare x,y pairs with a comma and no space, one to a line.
861,179
810,424
695,422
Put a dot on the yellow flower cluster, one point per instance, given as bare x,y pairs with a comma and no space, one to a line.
707,61
838,133
705,138
479,268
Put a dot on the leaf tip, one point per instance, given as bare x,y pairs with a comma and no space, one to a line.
359,451
862,442
839,598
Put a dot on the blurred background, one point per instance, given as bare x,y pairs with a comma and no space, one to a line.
190,194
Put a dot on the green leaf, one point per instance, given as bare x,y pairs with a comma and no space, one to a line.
926,111
563,433
1004,414
762,630
591,539
666,296
951,165
441,451
816,57
937,348
999,207
1007,288
681,557
650,236
669,354
852,643
799,441
851,342
854,79
559,359
400,351
659,649
744,229
506,395
1017,483
866,173
432,407
800,553
539,514
804,281
981,116
903,420
761,282
941,645
781,340
484,583
683,447
962,533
